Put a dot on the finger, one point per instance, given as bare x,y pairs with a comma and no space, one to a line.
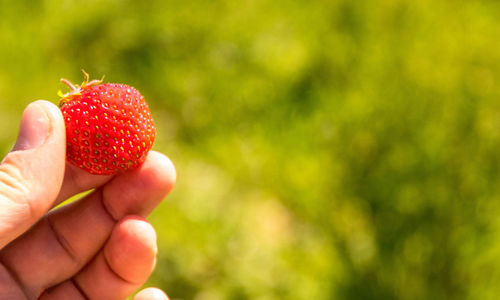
31,175
63,242
77,180
151,294
123,265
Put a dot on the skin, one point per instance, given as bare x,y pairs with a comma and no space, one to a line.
98,247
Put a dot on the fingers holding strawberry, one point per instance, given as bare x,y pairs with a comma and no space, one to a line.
114,140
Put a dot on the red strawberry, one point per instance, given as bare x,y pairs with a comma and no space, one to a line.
109,127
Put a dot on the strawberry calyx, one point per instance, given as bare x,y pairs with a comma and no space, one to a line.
75,89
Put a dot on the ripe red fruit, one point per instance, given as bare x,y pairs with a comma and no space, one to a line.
109,128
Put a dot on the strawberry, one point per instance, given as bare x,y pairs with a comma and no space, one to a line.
109,128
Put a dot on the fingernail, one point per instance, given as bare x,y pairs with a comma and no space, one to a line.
34,128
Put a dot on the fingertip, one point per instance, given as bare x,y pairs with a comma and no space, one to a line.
139,232
131,250
51,109
40,122
151,294
55,142
161,169
57,127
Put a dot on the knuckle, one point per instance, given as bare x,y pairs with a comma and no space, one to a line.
14,186
13,183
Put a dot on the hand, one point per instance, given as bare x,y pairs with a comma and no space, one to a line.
99,247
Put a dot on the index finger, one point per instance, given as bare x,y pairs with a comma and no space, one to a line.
77,180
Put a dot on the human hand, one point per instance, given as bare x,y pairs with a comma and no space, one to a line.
99,247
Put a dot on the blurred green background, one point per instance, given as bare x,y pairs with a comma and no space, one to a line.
325,149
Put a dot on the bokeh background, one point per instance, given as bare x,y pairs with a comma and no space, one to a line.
325,149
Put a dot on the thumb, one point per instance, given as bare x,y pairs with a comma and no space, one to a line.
31,174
